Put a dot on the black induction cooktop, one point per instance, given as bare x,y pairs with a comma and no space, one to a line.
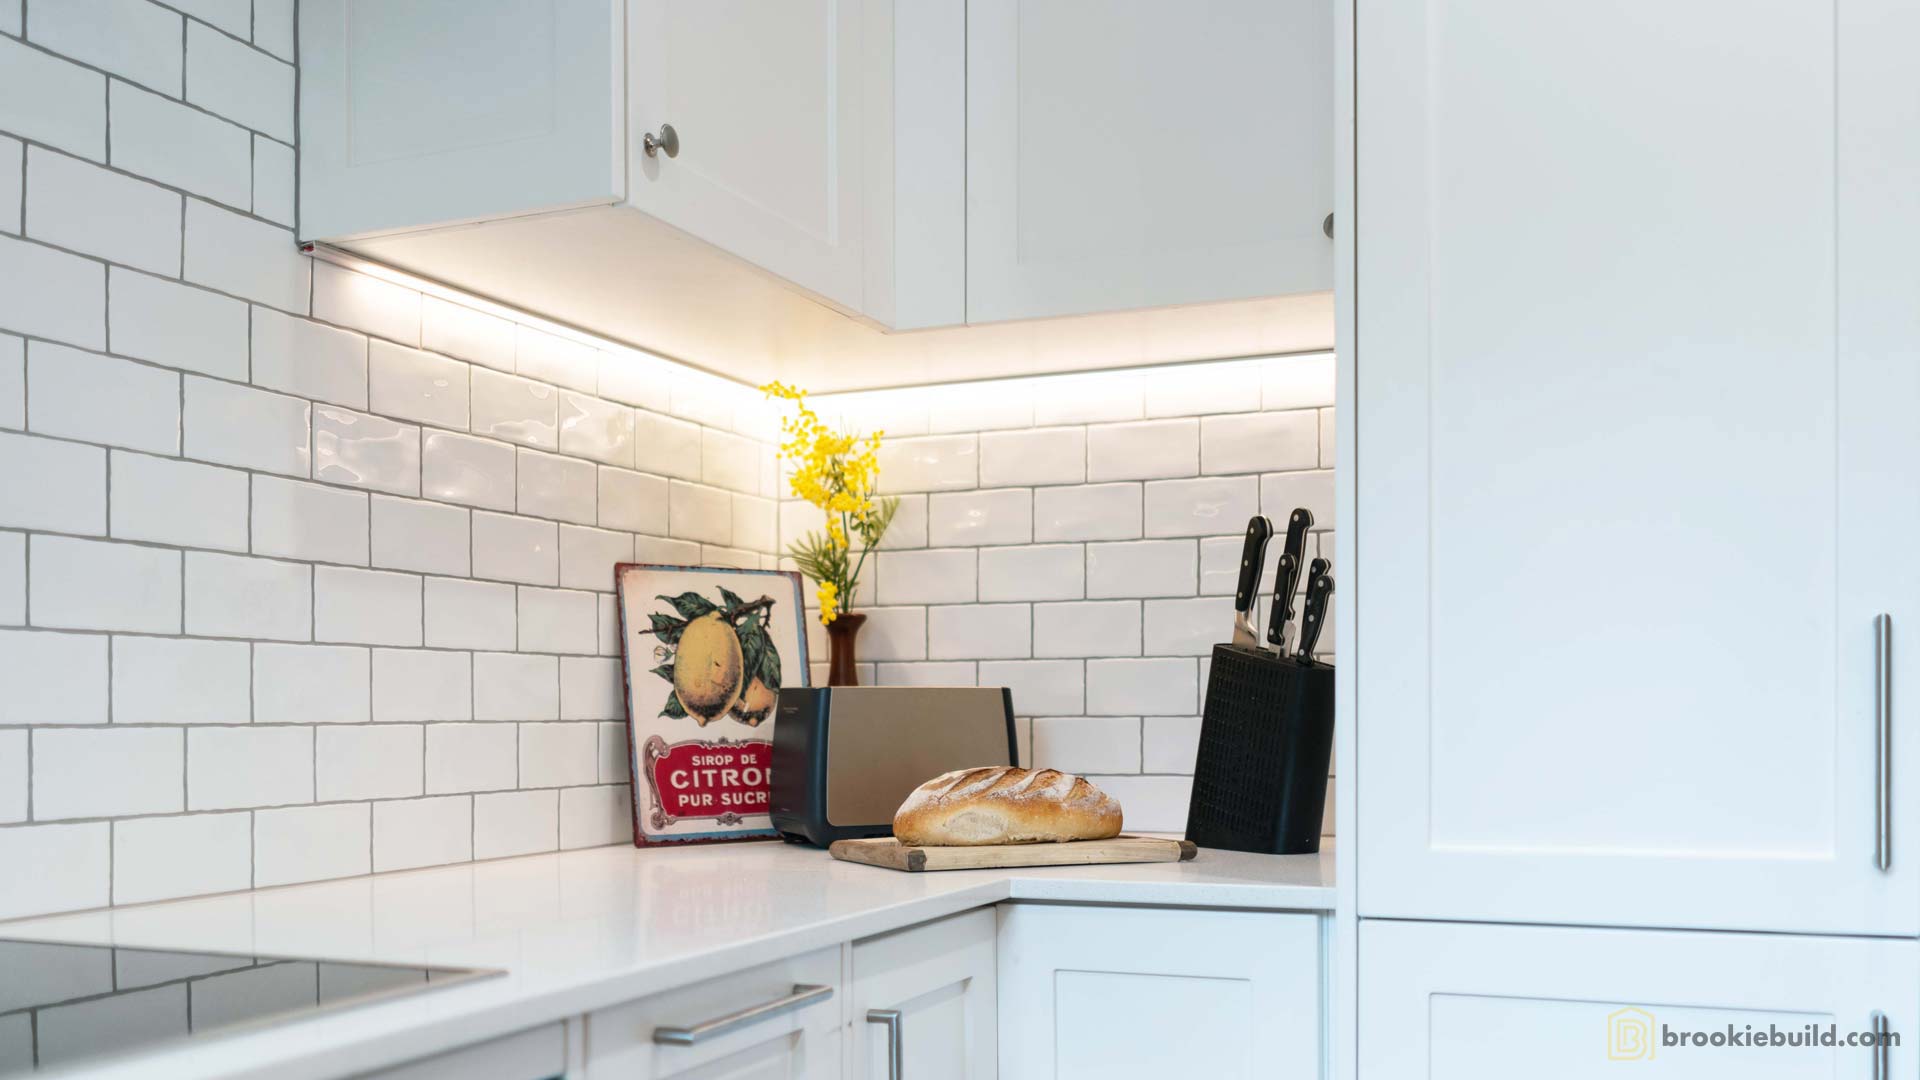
60,1004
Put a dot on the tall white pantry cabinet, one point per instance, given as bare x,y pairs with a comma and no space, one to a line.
1633,346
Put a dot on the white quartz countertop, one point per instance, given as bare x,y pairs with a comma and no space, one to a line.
577,931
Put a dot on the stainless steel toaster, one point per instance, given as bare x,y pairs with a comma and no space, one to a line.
845,757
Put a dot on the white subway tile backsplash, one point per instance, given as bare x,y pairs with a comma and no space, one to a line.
313,522
700,397
372,607
12,177
96,585
1200,389
699,513
557,621
1281,492
246,257
515,409
1086,628
85,208
458,331
236,425
755,525
712,555
311,843
1086,399
358,450
177,502
1142,568
1327,440
273,180
557,360
53,101
672,552
1039,687
1209,506
511,686
421,686
609,625
1153,803
559,755
1095,512
977,407
310,684
366,303
616,762
935,463
926,673
634,502
52,485
423,537
308,359
1298,382
592,688
592,816
980,518
1087,744
942,576
551,486
234,596
177,325
467,470
233,767
1149,450
472,757
592,428
515,823
1039,456
233,16
72,864
1168,744
13,776
667,446
587,556
181,681
273,26
240,83
367,761
51,293
180,146
164,858
422,832
979,632
1256,442
106,772
95,398
1046,572
416,385
729,461
521,549
1189,627
635,378
53,678
890,634
469,614
13,578
13,379
1126,687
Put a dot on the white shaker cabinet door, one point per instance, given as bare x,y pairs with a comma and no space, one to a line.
1451,1001
766,98
1638,411
926,994
1145,154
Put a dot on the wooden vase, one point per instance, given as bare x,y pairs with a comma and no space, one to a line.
841,634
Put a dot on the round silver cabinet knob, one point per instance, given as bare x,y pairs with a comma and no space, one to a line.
667,140
1325,226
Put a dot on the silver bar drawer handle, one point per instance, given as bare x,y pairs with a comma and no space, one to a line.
895,1055
801,997
1881,1030
1883,741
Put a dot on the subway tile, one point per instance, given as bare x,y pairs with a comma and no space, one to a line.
1327,440
979,632
309,359
894,413
699,513
551,486
447,327
1298,382
49,100
472,757
49,293
977,407
1047,572
423,537
246,257
667,446
422,832
729,461
54,485
177,325
52,678
416,385
616,762
1087,399
72,864
1169,744
365,303
467,470
237,767
510,686
515,409
557,360
13,379
700,397
1129,687
312,522
310,684
714,555
372,607
469,614
311,843
590,817
357,450
1153,803
242,84
234,596
274,183
595,429
96,585
980,518
1189,627
13,579
165,858
559,755
557,621
273,27
635,378
179,502
909,528
233,16
1200,389
938,576
1281,492
102,399
1028,458
587,556
1256,442
1086,628
515,823
1153,449
1141,568
525,550
236,425
935,463
592,688
653,549
421,686
926,673
102,772
181,681
367,761
182,147
634,502
1039,687
1209,506
1096,512
754,527
1087,744
609,625
85,208
12,178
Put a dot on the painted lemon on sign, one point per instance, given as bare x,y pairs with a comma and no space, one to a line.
707,666
722,660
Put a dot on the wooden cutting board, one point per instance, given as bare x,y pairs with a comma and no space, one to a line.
892,854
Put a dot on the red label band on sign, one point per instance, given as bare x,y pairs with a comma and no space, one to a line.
705,780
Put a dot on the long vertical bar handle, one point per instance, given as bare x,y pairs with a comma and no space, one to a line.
896,1056
1883,741
1881,1037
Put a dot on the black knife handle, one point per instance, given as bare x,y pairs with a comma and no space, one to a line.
1252,554
1313,615
1287,579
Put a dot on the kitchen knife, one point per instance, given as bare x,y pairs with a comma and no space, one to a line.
1313,613
1287,578
1252,555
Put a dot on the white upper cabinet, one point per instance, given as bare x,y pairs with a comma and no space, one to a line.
1636,397
1144,154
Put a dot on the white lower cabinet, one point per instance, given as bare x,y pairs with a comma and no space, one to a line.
535,1054
1455,1001
924,1002
1117,992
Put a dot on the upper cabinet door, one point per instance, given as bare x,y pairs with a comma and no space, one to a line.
766,98
1146,154
434,112
1638,372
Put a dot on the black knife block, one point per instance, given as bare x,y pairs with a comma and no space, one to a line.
1266,741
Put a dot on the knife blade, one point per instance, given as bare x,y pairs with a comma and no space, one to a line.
1287,577
1313,613
1252,555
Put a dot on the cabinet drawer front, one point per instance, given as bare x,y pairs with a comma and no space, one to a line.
536,1054
620,1040
1453,1001
929,992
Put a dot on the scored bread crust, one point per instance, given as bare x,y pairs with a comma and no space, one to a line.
1004,804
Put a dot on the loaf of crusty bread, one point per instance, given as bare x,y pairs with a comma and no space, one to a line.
1001,804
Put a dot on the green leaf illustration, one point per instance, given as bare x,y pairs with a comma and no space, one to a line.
733,600
690,605
665,671
666,627
673,709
